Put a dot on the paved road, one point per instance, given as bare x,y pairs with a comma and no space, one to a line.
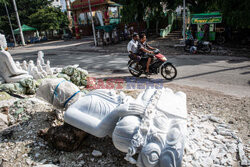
227,74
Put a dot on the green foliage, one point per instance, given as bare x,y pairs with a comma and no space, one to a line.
236,13
140,10
26,8
49,18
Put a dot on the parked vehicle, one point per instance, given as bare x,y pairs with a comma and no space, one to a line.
159,64
201,46
66,36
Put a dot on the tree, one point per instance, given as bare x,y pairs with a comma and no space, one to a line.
49,18
153,11
236,13
27,7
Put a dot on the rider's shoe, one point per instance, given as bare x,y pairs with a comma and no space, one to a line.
147,74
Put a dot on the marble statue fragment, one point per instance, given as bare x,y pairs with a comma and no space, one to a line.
40,68
9,70
30,67
36,74
48,69
153,125
18,65
24,66
3,42
40,57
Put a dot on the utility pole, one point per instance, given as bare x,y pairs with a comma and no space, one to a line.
18,22
10,24
69,14
184,20
93,26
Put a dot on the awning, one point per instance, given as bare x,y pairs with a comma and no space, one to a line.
83,4
206,18
24,28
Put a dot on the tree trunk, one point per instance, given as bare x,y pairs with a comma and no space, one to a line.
156,27
10,24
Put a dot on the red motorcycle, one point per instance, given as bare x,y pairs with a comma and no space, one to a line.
159,64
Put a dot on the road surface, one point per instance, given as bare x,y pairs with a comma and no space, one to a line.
227,74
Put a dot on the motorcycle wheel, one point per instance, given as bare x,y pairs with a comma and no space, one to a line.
133,70
207,49
168,71
220,40
187,48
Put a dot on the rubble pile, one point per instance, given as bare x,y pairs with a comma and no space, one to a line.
25,86
75,74
211,142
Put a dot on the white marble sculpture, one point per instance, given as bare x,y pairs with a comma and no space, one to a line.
18,65
48,69
9,70
40,57
37,74
24,66
40,68
30,67
153,125
3,42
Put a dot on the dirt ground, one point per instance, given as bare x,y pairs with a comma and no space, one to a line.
21,146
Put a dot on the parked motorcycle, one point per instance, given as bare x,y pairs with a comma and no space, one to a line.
66,36
201,46
159,64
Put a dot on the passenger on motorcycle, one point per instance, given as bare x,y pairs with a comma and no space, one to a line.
143,50
133,48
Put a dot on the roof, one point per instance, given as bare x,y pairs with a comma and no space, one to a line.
204,15
24,28
82,4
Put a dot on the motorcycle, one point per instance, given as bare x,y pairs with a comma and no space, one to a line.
203,46
159,64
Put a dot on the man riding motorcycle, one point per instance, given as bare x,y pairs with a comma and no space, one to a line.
133,48
143,49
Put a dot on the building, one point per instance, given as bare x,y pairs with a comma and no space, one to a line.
59,3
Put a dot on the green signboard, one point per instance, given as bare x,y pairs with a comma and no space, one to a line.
206,18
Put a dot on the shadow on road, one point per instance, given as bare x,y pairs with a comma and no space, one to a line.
211,72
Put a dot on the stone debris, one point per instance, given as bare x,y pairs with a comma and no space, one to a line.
21,145
22,110
206,149
96,153
243,158
24,86
47,165
64,137
77,75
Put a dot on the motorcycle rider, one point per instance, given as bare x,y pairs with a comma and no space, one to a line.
144,50
133,48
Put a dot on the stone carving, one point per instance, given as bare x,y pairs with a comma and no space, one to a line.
48,69
18,65
40,68
24,66
153,125
30,67
9,70
3,42
40,58
36,74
